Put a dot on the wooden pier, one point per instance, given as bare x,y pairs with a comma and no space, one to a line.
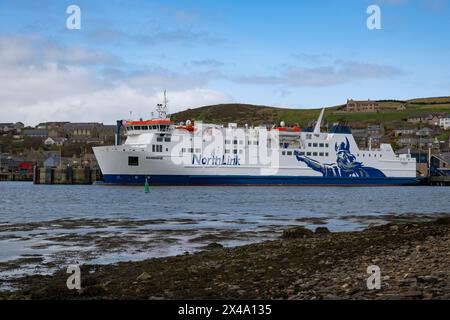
68,175
16,176
439,181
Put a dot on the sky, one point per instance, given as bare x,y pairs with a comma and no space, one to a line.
293,54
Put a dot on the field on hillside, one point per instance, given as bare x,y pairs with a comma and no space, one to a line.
256,115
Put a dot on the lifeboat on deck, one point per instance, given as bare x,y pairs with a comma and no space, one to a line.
282,128
188,126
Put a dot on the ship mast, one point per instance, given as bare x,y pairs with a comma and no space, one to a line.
161,108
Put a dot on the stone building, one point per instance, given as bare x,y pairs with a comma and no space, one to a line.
361,106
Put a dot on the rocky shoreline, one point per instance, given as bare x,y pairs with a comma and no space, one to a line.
413,258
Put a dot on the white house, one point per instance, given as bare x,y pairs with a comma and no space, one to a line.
54,141
445,122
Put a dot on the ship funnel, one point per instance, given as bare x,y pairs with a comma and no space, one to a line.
319,122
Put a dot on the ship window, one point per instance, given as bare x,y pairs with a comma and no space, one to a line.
289,153
309,144
314,154
167,139
321,145
235,151
227,141
133,161
326,154
235,142
153,148
302,153
326,145
381,155
227,151
283,153
145,128
183,150
320,154
255,143
159,139
308,153
315,145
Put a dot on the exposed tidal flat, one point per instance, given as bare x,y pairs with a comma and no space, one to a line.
413,259
45,228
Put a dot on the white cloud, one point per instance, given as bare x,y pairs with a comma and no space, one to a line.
40,82
322,76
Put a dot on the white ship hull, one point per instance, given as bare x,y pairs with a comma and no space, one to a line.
307,159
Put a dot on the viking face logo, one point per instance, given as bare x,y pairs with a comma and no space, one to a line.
345,159
346,165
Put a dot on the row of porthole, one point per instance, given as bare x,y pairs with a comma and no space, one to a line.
309,154
375,155
320,145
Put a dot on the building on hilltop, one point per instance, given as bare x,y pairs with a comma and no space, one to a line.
361,106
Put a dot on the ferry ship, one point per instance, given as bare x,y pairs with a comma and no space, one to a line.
160,152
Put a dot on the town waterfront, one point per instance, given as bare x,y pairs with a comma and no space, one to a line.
45,227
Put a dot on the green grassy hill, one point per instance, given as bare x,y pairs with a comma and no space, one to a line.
255,115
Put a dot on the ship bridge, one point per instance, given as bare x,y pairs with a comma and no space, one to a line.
150,126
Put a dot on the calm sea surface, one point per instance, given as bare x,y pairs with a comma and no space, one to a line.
42,226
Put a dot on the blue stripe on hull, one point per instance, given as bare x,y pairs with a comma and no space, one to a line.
171,180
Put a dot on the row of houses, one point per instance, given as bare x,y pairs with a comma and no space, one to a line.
439,120
11,127
414,137
25,163
59,133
